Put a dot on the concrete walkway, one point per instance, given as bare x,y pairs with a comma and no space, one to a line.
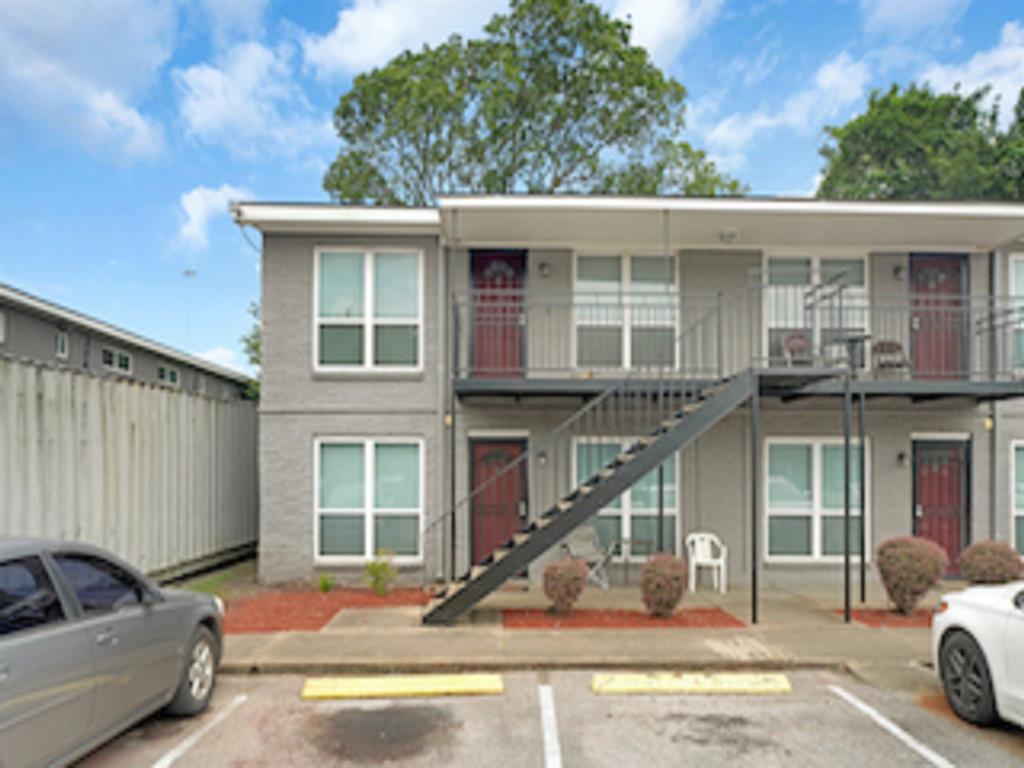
802,629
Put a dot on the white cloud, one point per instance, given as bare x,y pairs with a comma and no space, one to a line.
369,33
905,19
248,101
226,357
77,66
200,205
838,83
1002,67
233,19
666,27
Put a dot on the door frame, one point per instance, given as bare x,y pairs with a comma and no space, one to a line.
523,327
964,290
967,442
489,436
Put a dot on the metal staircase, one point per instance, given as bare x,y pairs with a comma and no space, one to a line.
668,409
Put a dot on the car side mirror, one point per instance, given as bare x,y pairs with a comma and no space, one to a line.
1018,600
148,598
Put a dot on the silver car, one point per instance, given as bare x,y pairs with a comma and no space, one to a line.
89,646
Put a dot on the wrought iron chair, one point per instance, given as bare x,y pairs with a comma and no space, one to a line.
584,544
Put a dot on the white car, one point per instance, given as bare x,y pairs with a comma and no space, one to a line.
978,652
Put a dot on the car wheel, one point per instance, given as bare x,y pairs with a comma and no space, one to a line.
198,677
966,678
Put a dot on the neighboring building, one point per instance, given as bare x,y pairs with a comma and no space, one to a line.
491,355
38,330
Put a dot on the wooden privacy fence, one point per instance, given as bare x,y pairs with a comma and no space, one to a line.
156,475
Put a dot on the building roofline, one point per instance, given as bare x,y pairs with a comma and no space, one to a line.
19,298
271,217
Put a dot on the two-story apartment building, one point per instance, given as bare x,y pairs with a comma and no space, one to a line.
463,385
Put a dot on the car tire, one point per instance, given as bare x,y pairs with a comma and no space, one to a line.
199,675
966,679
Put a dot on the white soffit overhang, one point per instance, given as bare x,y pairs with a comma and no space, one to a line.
317,218
733,223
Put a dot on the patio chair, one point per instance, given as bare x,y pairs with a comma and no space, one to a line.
888,356
796,347
584,544
706,550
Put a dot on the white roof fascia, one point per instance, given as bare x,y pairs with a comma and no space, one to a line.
27,301
294,217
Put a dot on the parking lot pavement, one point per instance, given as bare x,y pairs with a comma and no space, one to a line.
828,720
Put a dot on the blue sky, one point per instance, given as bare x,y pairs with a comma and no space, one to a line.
125,128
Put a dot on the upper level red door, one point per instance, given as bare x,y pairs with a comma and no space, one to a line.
938,319
498,507
499,327
940,494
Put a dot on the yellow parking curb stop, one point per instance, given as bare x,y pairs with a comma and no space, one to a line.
402,686
690,683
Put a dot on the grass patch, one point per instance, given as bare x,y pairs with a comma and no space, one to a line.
224,582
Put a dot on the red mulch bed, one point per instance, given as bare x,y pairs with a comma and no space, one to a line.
689,618
306,610
879,618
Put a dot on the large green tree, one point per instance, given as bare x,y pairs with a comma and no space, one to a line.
914,144
552,98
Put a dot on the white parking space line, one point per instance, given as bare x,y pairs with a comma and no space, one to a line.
170,757
883,722
549,727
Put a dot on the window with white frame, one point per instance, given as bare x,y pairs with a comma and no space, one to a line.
62,345
1017,513
116,360
369,498
368,309
167,375
626,310
631,521
804,499
813,302
1017,309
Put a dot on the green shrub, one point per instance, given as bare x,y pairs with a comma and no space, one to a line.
326,583
663,583
564,581
909,566
990,562
380,573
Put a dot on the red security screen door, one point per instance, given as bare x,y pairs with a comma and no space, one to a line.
940,494
499,328
938,315
499,509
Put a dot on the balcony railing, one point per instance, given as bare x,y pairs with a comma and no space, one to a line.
513,335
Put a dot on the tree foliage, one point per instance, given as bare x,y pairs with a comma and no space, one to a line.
552,98
914,144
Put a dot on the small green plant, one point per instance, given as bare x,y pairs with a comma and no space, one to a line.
381,573
663,583
990,562
909,566
326,583
563,583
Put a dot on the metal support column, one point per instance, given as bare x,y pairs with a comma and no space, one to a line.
847,407
661,508
863,499
755,518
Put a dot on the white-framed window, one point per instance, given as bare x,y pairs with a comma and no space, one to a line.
116,360
801,324
804,499
1017,322
369,498
168,375
631,521
3,327
1017,494
62,345
626,311
368,309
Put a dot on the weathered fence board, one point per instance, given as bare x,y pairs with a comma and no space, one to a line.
156,475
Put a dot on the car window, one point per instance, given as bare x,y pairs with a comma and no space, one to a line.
27,597
100,585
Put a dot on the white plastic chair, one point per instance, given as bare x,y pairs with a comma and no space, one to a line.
705,550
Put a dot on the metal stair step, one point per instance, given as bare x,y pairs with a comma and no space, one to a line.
625,457
499,554
542,522
520,538
605,473
562,506
585,490
476,571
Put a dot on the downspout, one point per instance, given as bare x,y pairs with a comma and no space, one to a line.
993,421
444,376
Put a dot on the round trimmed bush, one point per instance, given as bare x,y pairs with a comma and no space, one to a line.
563,583
663,583
990,562
909,566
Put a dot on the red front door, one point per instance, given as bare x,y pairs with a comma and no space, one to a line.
940,494
938,316
498,509
499,330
